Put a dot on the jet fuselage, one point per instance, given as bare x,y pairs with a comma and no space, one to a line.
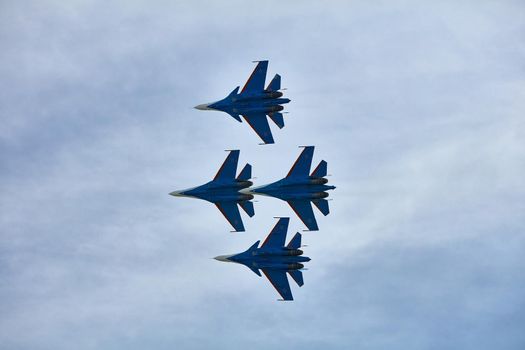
277,259
250,104
214,191
288,189
274,258
255,102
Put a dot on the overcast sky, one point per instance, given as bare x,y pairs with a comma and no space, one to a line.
417,106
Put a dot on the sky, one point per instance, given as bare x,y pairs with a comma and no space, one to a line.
417,106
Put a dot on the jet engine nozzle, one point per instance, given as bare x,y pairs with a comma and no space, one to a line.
274,94
320,195
295,266
246,196
244,183
276,108
294,252
318,181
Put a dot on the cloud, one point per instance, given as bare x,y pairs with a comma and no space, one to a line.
416,107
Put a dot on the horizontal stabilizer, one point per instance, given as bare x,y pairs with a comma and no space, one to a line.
275,84
295,243
297,276
322,205
277,119
321,169
247,206
246,173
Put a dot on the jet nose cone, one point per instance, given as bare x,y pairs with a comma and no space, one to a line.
224,258
177,193
247,191
260,190
203,107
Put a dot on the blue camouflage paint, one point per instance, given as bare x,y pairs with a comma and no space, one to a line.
255,102
299,188
223,191
275,259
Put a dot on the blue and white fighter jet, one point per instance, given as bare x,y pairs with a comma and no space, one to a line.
275,259
223,191
254,102
299,188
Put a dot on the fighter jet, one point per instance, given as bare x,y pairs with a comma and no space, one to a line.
299,189
254,102
223,191
275,259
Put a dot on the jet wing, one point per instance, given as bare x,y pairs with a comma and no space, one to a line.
280,282
301,167
228,169
256,81
231,213
277,237
304,211
259,124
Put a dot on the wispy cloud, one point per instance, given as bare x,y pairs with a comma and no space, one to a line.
416,107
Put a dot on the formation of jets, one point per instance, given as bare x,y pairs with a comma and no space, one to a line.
299,188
